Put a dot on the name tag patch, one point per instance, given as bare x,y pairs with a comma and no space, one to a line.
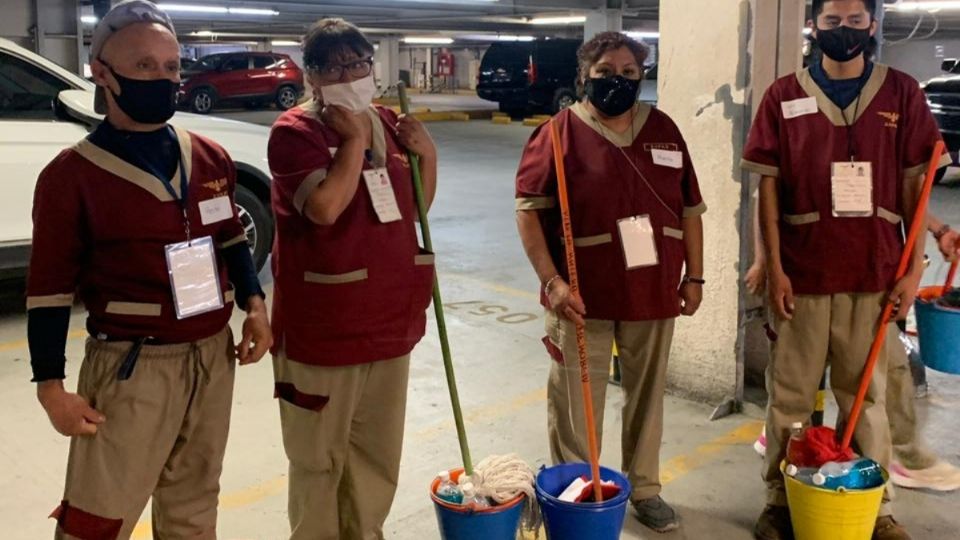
799,107
215,209
667,158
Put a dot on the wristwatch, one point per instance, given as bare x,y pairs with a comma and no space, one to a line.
942,231
698,281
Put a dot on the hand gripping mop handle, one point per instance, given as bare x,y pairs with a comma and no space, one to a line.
575,289
918,224
437,302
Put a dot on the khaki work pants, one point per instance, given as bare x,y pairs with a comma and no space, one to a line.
643,348
343,434
908,449
165,436
836,329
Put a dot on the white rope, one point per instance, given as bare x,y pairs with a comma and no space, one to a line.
502,478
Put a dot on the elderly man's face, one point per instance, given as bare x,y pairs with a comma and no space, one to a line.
143,51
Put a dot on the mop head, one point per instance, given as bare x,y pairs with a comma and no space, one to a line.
502,479
581,490
821,446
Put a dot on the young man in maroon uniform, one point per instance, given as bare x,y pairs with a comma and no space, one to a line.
842,148
139,218
352,287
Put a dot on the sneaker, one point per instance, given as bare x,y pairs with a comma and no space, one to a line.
887,528
656,514
942,476
774,524
760,446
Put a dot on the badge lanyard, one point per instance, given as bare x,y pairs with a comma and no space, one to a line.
183,199
851,144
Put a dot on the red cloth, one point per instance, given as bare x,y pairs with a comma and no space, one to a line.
818,446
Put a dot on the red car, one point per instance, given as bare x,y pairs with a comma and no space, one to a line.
247,78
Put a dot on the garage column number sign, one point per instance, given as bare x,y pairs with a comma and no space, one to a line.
381,193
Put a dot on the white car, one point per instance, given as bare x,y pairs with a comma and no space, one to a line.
45,108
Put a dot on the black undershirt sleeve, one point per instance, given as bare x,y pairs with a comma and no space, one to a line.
47,337
242,273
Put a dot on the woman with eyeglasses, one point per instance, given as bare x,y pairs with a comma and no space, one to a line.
352,286
635,209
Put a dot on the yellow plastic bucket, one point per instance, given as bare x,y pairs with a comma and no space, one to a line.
818,513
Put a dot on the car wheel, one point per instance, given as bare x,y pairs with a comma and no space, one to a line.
202,100
940,174
257,224
287,97
563,98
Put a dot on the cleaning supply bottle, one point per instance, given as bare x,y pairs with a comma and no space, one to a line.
797,445
472,499
447,490
802,474
862,473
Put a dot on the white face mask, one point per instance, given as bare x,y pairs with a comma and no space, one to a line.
355,96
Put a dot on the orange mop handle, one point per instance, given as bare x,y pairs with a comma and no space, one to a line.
918,224
951,275
575,289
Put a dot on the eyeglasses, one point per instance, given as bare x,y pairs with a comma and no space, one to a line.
334,73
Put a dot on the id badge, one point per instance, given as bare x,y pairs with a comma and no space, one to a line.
382,195
193,277
639,244
852,186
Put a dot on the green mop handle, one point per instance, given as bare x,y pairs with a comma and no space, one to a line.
437,301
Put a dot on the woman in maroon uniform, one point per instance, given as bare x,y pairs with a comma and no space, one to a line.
636,212
352,287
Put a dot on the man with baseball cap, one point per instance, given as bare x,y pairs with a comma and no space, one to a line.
138,218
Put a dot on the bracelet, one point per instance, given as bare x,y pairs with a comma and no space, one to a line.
546,286
942,231
698,281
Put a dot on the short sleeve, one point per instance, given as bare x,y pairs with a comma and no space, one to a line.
294,152
761,154
919,134
59,237
536,176
693,204
231,232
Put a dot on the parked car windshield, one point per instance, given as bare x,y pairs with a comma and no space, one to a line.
207,63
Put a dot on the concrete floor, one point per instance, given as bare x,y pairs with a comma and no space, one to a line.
710,471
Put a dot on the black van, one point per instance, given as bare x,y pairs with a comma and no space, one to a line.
943,96
530,76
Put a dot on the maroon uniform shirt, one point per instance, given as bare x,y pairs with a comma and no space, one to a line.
355,291
891,127
100,226
605,186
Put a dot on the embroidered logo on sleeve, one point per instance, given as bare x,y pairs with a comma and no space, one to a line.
403,159
891,119
216,185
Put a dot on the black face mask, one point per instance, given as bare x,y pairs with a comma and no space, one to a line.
612,96
146,102
843,43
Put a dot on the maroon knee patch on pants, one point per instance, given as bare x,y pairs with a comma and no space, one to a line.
553,351
289,393
84,525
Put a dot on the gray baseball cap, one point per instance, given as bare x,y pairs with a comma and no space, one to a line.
120,16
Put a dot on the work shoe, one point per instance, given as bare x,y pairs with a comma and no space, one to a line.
942,476
887,528
774,524
656,514
760,445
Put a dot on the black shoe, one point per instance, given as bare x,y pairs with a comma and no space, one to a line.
774,524
656,514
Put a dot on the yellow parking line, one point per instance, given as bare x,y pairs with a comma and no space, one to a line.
679,466
493,412
496,287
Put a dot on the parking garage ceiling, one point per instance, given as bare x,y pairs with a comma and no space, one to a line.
206,20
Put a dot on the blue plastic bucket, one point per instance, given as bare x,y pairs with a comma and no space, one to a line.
459,523
576,521
938,330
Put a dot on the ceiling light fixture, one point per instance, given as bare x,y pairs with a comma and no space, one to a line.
573,19
253,11
89,19
414,40
284,43
220,10
643,34
933,5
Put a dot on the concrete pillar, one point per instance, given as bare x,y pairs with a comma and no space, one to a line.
602,20
707,100
752,42
387,59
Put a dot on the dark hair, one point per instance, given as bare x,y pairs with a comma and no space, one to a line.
818,8
591,51
329,38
